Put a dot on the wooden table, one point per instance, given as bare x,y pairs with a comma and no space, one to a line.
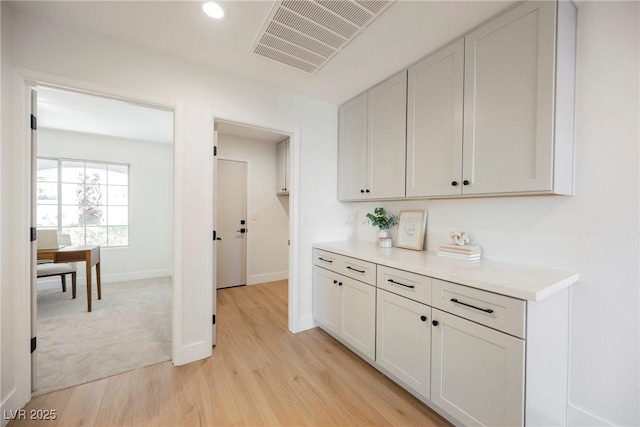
90,254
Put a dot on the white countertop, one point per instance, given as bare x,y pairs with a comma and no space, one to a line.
514,280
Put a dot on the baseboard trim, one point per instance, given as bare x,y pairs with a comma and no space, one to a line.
581,418
51,282
10,405
268,277
193,352
305,322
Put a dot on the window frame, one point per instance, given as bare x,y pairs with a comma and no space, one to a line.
59,205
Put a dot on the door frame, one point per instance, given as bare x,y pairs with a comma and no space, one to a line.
247,204
293,305
22,82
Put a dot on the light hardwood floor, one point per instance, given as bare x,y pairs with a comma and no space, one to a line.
260,374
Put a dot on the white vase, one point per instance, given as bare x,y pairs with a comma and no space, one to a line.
384,239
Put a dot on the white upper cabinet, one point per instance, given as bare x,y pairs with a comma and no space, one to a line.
434,124
511,103
490,114
352,155
387,138
372,143
282,150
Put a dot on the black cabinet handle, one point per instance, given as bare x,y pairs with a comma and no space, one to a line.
435,323
335,281
362,191
354,269
401,284
325,260
486,310
454,183
465,182
423,318
339,283
367,191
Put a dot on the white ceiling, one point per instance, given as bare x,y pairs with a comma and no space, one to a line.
407,31
77,112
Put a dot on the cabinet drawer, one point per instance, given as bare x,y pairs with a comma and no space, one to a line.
351,267
410,285
495,311
358,269
327,260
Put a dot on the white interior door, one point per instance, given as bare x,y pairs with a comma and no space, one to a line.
34,255
231,186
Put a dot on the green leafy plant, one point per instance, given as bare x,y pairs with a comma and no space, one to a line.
379,218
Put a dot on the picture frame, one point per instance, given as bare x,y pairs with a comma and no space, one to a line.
411,230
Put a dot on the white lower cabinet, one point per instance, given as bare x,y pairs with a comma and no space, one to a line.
346,308
403,340
326,299
358,316
475,356
477,373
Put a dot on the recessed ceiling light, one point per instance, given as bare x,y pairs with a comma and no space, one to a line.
213,9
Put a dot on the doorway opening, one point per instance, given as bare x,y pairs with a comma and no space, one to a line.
102,176
252,206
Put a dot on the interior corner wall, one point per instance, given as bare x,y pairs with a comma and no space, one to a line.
149,252
96,61
8,396
594,233
268,214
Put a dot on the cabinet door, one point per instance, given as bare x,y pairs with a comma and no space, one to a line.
477,373
283,172
508,107
326,299
434,124
403,340
387,138
352,149
358,315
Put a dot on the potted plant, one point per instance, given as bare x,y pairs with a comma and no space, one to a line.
379,218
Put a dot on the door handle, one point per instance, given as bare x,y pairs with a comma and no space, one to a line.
218,238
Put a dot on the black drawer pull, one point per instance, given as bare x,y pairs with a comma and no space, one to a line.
354,269
325,260
401,284
486,310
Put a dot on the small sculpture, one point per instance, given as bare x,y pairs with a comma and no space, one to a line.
460,238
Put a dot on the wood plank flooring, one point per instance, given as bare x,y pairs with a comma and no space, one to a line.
260,374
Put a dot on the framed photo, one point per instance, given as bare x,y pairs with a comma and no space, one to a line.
411,229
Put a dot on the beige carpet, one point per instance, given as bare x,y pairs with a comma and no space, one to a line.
128,329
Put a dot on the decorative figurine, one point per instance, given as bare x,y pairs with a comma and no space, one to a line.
460,238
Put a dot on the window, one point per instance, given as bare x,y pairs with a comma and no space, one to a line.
85,199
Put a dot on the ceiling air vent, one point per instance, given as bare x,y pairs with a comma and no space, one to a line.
306,34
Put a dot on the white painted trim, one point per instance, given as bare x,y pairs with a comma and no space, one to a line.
267,277
21,247
306,322
294,205
581,418
9,404
197,350
48,282
22,80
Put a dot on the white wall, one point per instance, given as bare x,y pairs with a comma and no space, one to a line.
107,65
149,253
594,233
268,214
